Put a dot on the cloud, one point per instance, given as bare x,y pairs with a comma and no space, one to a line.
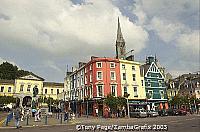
57,26
186,39
173,24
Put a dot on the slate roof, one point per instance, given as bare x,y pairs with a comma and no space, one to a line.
4,81
53,84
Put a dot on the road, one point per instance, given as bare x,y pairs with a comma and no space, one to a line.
174,124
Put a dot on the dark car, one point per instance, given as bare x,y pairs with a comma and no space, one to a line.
172,112
138,113
162,113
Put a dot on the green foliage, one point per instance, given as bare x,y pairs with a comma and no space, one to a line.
7,99
115,102
50,100
10,72
182,100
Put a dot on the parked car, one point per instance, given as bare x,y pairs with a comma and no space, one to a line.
182,111
172,112
163,113
151,113
138,113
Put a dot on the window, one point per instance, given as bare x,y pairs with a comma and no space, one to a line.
123,66
29,88
174,93
112,74
162,94
142,82
45,91
135,91
133,68
2,88
113,90
9,89
125,90
133,75
21,87
99,90
150,92
99,75
99,64
112,65
57,91
124,76
91,92
86,79
90,77
171,93
198,92
51,91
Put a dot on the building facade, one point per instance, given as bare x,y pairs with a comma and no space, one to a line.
23,88
132,83
7,87
156,92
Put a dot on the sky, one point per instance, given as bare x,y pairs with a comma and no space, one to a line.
45,36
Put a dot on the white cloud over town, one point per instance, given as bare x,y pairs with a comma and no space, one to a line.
45,36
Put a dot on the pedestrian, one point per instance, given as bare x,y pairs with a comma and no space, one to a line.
37,115
66,116
22,114
97,112
17,116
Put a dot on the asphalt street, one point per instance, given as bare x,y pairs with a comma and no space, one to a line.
173,123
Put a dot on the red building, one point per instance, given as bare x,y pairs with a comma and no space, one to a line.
102,77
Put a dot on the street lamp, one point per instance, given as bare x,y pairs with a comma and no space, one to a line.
86,98
126,95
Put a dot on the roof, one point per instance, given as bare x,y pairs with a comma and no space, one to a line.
27,77
145,67
53,84
4,81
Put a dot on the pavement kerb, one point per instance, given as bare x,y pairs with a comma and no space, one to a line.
12,127
72,122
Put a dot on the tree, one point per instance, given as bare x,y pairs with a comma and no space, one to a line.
11,72
111,102
7,99
115,103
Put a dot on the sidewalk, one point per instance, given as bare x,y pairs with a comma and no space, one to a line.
31,123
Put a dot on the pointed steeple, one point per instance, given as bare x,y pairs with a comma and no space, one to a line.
120,43
119,33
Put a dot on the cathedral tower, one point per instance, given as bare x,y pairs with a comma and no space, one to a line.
120,44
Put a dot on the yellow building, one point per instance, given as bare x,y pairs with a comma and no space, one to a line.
52,89
22,88
132,81
24,85
7,87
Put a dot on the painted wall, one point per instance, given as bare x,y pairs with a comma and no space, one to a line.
129,83
26,83
106,81
5,89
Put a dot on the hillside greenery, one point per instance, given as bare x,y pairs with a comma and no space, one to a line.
10,72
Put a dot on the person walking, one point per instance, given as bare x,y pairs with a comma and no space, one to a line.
97,112
17,116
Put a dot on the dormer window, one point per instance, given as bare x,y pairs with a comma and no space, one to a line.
99,64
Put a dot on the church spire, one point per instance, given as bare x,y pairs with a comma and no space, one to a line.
119,33
120,44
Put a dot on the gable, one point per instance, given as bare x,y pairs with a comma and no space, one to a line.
31,77
154,69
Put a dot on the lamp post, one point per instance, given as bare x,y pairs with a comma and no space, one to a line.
86,98
126,96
